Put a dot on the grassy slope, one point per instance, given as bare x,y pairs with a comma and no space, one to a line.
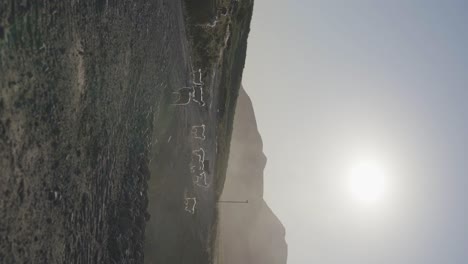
206,45
232,69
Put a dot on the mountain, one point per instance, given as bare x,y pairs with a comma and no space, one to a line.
248,233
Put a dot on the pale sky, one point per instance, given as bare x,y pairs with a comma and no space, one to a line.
335,81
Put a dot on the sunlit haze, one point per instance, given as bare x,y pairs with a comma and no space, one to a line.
362,109
367,181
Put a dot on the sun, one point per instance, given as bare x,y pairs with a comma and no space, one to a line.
368,182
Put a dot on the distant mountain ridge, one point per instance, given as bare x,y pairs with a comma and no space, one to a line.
248,233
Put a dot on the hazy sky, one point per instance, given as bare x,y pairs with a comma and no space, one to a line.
335,81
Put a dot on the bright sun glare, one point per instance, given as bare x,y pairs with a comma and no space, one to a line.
367,182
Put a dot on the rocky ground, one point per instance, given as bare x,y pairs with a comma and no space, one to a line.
85,105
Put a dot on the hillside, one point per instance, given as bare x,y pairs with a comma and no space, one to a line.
97,102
